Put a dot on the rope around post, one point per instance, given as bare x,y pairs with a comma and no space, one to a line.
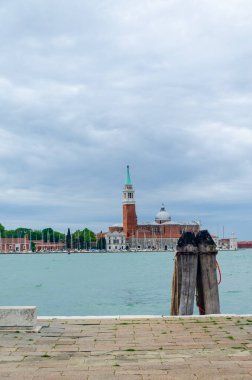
219,270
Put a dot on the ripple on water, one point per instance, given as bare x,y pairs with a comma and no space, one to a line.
233,291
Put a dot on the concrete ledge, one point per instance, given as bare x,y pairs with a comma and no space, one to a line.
18,316
101,317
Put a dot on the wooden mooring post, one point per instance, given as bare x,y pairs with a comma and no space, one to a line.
184,275
195,273
207,284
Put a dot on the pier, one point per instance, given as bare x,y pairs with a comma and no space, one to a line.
137,348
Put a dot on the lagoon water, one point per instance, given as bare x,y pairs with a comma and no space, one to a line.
112,284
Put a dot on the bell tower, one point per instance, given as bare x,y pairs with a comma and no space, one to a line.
129,208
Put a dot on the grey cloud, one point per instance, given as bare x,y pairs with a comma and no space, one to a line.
88,87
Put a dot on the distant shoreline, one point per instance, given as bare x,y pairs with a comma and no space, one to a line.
104,252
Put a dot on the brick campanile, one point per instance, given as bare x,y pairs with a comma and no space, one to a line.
129,207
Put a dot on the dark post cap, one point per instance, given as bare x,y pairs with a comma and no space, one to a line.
205,242
187,243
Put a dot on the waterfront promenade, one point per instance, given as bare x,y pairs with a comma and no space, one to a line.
217,347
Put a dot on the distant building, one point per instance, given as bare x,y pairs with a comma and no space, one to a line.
228,243
49,246
14,245
115,241
244,244
161,234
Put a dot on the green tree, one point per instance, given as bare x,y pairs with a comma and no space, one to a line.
101,243
68,239
83,239
21,232
10,233
18,233
36,235
33,246
89,237
48,234
58,236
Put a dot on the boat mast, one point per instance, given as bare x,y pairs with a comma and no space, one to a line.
30,242
42,238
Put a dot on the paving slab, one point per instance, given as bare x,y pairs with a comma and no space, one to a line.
214,347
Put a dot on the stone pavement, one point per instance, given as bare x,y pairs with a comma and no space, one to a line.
137,349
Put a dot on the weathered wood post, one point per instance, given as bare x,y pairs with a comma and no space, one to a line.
176,286
184,275
207,285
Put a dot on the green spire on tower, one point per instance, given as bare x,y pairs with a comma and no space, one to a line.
128,179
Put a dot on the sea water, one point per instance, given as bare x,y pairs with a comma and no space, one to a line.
112,283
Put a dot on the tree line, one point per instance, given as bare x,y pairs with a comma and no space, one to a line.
77,238
47,234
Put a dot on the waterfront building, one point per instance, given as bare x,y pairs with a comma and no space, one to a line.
14,245
244,244
161,234
48,246
115,241
233,243
226,243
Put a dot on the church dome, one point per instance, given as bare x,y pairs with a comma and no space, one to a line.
162,216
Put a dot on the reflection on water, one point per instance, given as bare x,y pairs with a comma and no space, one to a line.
112,284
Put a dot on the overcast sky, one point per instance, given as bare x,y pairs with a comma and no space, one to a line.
87,87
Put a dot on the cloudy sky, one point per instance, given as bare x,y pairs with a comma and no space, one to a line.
89,86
